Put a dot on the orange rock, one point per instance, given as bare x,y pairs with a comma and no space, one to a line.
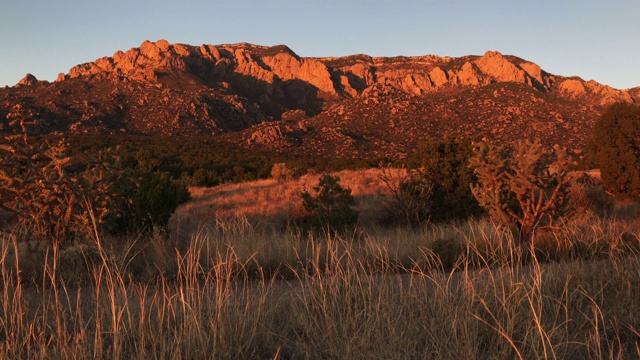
498,67
28,80
438,76
572,87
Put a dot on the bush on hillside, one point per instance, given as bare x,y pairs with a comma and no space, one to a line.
205,178
331,207
445,165
149,200
281,172
615,149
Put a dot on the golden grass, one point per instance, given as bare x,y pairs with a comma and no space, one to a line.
239,287
275,202
345,301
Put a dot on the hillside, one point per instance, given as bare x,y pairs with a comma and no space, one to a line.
269,97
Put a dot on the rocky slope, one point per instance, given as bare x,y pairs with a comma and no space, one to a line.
270,97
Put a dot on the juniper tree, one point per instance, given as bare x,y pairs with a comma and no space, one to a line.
332,207
615,149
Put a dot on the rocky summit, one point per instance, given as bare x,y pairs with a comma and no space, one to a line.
269,97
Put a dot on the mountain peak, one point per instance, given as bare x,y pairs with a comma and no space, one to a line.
28,80
358,101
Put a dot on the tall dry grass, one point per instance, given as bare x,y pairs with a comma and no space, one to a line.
382,294
231,283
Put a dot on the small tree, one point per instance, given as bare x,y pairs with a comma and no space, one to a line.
280,172
445,165
332,207
615,149
524,186
149,200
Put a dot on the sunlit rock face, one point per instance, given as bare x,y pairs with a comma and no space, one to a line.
273,98
278,72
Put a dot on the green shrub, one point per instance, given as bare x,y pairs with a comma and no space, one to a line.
332,207
615,149
445,165
147,201
205,178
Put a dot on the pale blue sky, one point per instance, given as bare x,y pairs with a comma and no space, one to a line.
597,40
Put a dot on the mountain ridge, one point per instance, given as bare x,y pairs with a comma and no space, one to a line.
269,96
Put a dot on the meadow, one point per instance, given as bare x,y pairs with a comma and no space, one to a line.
233,278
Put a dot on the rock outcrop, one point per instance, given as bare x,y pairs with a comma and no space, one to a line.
280,80
28,80
270,97
495,65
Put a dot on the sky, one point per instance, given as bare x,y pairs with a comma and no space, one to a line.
596,40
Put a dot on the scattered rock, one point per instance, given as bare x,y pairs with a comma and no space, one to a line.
267,135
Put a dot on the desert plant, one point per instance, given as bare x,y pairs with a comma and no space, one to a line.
281,172
615,149
205,177
55,200
445,164
588,196
332,207
148,200
35,187
411,192
522,186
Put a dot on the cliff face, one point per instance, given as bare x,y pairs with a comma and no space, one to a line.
164,88
280,74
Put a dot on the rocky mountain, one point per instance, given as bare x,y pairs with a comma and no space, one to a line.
270,97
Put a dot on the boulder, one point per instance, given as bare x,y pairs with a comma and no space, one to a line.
438,76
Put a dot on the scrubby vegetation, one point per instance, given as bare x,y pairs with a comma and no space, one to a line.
203,161
330,206
615,149
411,200
53,199
234,273
445,164
523,186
